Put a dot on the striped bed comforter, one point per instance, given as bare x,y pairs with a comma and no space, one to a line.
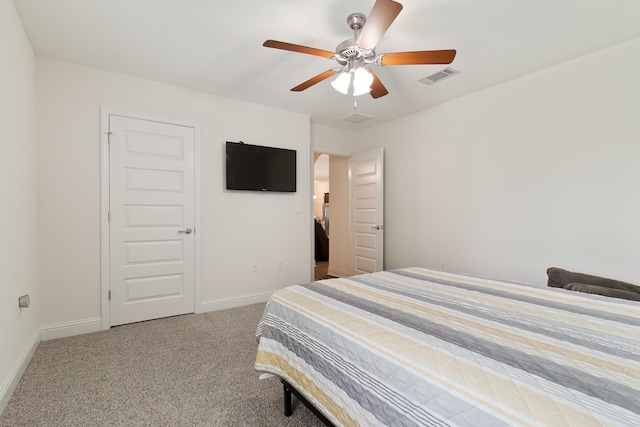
429,348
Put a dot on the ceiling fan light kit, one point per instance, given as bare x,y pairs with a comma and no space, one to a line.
342,82
362,80
355,75
356,54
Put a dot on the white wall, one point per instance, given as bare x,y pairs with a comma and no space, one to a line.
537,172
320,187
325,139
238,228
19,332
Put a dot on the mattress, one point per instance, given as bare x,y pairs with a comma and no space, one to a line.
418,347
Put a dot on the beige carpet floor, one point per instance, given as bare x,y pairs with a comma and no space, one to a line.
191,370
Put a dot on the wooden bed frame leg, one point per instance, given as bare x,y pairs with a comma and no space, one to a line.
287,399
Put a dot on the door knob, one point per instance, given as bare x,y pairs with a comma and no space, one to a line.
186,231
377,227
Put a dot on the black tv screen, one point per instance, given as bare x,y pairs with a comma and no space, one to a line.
258,168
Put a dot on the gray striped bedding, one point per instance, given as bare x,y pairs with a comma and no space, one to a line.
417,347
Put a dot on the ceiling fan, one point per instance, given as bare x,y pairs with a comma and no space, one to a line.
353,55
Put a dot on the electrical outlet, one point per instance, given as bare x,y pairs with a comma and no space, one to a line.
280,265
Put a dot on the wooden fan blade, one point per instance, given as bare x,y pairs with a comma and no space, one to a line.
382,15
314,80
377,88
298,48
420,57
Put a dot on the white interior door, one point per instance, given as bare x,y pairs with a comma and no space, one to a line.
367,211
151,219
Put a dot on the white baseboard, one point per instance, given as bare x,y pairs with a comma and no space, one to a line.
231,302
85,326
12,380
69,329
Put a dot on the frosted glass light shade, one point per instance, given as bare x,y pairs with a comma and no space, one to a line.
362,80
341,83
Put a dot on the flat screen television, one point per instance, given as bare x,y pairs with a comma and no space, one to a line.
258,168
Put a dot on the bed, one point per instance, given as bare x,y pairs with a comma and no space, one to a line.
418,347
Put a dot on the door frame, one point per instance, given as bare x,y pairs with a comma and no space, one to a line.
105,261
312,207
350,250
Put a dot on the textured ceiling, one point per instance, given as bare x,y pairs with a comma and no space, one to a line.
216,46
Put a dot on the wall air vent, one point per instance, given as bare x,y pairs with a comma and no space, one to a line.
357,118
439,76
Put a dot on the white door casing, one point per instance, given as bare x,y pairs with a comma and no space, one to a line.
151,219
366,175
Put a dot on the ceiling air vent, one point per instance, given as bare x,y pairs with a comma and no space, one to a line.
357,118
440,75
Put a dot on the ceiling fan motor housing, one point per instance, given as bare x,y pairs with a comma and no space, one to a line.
348,49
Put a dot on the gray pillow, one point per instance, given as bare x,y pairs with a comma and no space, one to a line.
601,290
559,278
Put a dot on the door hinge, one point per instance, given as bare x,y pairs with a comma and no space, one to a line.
109,216
109,294
109,137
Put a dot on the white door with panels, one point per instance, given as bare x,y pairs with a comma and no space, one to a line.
151,219
367,211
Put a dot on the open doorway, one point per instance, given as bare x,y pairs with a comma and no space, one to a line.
331,216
